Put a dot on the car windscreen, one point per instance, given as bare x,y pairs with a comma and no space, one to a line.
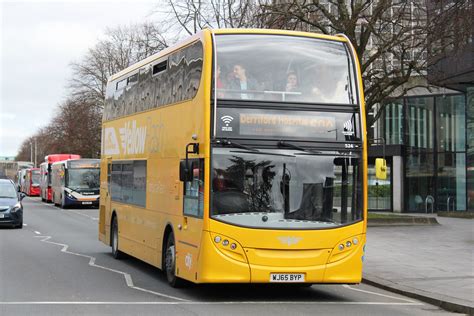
7,190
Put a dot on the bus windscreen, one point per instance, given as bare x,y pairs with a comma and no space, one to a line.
283,69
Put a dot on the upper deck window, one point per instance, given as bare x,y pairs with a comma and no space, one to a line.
283,68
176,78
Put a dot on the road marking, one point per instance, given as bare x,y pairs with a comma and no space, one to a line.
72,211
37,232
128,277
378,294
212,303
25,224
88,216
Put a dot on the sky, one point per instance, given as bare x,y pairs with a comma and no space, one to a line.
38,41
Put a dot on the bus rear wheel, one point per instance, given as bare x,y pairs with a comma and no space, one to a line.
116,253
170,263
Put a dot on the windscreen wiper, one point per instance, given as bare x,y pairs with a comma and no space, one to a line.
226,142
283,143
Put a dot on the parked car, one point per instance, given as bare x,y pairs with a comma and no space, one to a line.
11,209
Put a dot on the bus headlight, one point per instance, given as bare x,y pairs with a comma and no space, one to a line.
228,247
344,248
69,195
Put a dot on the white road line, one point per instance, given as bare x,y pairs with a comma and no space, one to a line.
25,224
212,303
128,278
88,216
37,232
378,294
73,211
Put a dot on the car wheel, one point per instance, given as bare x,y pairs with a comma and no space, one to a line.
114,240
170,263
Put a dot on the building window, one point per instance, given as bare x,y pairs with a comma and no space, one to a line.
451,182
435,165
420,182
420,122
393,133
379,191
450,129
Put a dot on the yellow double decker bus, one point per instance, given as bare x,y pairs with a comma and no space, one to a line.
239,156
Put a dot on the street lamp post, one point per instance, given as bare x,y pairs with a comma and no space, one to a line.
36,152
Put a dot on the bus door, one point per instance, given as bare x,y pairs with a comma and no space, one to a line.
190,230
105,196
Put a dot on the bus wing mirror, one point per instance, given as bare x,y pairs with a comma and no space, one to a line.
185,171
380,169
185,167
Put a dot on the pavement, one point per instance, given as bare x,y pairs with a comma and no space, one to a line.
432,263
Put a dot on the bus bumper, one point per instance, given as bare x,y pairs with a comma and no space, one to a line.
75,202
248,265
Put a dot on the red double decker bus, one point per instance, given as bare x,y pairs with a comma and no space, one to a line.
45,173
32,182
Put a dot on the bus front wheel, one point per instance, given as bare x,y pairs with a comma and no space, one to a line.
170,263
116,253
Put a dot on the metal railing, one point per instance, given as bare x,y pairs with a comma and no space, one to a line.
429,200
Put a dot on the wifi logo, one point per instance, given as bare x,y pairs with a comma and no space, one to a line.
227,119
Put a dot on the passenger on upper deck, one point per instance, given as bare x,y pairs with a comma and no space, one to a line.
292,86
241,81
292,82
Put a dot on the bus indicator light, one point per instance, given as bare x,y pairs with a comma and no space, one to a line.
355,241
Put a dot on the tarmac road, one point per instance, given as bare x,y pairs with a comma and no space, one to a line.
55,265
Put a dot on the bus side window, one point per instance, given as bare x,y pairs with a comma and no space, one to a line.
193,204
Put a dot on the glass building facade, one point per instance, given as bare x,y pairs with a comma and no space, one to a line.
433,136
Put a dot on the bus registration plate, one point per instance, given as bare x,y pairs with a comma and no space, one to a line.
86,203
2,215
287,277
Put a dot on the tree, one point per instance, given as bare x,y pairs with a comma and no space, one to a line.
121,47
190,16
389,37
75,129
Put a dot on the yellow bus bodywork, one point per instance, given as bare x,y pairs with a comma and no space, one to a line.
199,259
